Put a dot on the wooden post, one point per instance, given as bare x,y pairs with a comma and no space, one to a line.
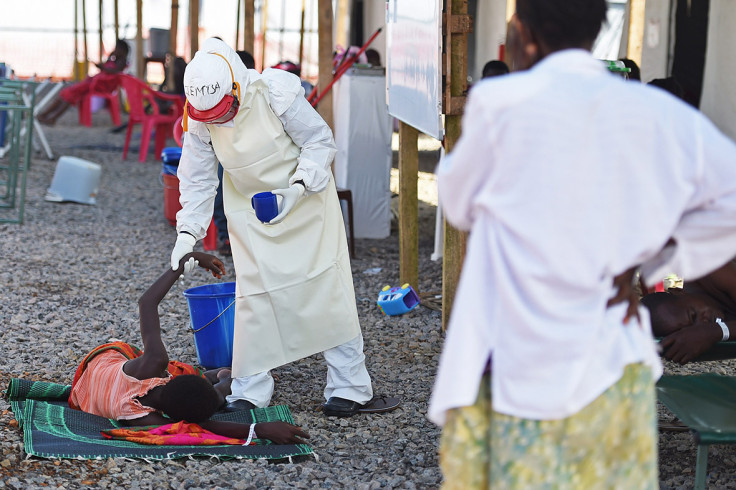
173,31
264,28
140,62
173,27
117,21
510,9
408,205
249,26
76,71
193,27
341,24
84,39
455,240
237,26
325,59
101,46
637,20
301,34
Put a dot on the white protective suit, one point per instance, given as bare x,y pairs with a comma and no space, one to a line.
294,293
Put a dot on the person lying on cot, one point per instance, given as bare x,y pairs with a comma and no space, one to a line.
137,388
693,319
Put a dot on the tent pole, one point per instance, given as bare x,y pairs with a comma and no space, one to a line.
237,26
325,20
301,34
264,26
117,21
101,47
249,13
455,240
84,39
140,63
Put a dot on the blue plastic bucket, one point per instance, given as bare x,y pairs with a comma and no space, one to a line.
167,169
171,155
212,315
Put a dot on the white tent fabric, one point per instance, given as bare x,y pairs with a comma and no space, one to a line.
718,101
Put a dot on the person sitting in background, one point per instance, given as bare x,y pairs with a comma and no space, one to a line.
174,67
693,319
106,80
494,68
119,382
247,59
373,57
173,83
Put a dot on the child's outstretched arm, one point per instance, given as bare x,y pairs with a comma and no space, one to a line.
276,432
155,358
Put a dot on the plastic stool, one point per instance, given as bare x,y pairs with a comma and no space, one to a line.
346,195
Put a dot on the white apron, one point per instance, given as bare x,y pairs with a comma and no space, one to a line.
294,295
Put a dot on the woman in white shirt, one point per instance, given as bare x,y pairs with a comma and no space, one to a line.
568,177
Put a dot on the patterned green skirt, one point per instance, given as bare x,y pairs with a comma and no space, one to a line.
611,443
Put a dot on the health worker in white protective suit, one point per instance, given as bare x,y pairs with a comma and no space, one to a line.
294,295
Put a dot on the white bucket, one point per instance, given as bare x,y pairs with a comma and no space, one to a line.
74,180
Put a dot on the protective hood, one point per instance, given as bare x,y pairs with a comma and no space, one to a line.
207,78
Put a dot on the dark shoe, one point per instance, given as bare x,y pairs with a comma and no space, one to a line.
238,405
225,249
340,407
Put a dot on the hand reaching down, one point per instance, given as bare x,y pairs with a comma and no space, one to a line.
204,260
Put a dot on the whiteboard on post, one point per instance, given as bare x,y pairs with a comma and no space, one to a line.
414,63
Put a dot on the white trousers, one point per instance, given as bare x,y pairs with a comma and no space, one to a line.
347,377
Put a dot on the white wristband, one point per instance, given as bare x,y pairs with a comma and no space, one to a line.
251,434
724,327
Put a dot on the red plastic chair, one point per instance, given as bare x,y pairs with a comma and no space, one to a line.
144,110
112,101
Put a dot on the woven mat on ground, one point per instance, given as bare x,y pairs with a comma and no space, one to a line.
53,430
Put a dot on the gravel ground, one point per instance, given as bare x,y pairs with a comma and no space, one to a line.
72,275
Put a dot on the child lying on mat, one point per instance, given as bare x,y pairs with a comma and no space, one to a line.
137,388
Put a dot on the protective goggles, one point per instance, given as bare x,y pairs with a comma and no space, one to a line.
223,111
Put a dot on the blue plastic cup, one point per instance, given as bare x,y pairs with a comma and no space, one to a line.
265,206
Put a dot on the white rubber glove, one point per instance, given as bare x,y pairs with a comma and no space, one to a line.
290,196
184,245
